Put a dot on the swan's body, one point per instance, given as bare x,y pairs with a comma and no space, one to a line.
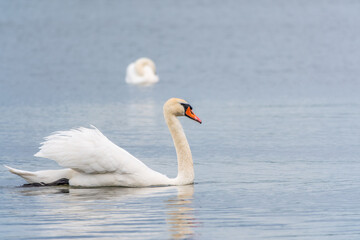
142,72
92,160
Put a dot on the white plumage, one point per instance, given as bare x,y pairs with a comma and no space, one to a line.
141,72
90,159
88,151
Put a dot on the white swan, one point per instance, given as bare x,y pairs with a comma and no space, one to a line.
92,160
142,72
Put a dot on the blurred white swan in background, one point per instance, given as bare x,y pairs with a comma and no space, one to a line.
92,160
142,72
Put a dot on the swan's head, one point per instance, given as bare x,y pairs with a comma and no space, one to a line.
180,107
145,66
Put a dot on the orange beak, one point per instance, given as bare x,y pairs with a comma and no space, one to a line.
189,113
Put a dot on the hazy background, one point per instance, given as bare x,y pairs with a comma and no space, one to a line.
275,83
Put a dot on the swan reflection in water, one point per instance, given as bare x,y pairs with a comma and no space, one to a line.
128,213
181,213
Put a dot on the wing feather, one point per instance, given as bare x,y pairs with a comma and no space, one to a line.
88,150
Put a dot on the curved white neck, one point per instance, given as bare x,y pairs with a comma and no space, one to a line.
183,152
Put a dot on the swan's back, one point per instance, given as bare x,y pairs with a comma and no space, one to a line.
97,161
142,71
87,150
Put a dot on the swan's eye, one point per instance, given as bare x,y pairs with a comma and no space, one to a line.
186,106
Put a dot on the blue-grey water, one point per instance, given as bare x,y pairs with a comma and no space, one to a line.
276,84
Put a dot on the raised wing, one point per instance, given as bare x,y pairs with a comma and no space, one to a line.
88,150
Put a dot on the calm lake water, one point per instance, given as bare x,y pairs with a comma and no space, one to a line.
276,84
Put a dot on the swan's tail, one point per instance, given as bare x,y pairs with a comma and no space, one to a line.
44,177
